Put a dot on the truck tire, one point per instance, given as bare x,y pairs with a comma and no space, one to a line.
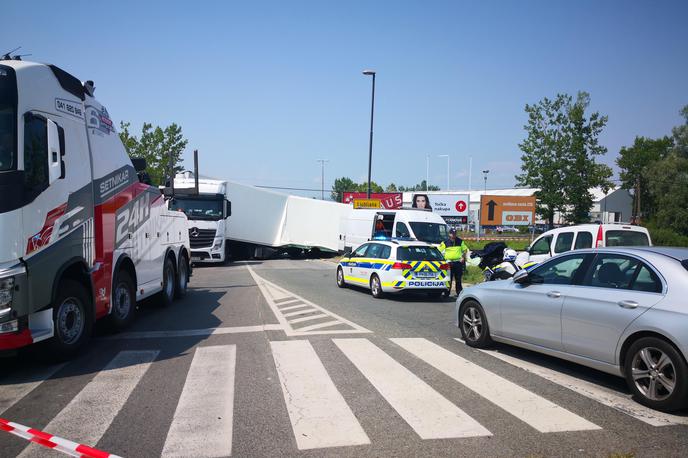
166,296
123,301
73,321
182,277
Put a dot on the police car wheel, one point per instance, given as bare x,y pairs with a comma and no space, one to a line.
376,287
473,324
340,278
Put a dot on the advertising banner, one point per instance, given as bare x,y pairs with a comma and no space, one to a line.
388,200
507,210
367,203
445,205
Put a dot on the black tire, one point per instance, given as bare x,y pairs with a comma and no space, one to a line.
376,287
340,278
661,374
73,321
166,296
123,301
182,278
475,330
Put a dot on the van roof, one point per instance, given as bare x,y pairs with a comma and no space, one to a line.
595,227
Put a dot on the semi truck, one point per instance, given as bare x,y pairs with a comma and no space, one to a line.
82,236
204,202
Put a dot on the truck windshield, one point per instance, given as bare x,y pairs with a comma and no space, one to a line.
8,154
209,209
429,232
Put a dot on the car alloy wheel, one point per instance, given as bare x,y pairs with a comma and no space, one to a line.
653,373
472,323
340,277
376,287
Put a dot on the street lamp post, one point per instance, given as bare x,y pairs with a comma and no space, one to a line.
322,177
427,171
485,172
372,112
447,156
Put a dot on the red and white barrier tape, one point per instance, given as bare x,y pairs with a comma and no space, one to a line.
53,442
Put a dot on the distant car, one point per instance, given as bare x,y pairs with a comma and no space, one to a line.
393,266
563,239
618,310
502,229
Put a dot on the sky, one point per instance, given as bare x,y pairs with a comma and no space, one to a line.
265,89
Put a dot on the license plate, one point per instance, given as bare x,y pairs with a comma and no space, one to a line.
425,274
195,258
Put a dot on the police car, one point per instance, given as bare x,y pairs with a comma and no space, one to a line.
395,265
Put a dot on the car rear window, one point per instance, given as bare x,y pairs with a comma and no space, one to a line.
419,253
684,263
626,238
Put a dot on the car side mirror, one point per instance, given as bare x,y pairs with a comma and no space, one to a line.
521,277
55,152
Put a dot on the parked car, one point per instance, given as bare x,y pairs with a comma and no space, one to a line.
618,310
392,266
503,229
563,239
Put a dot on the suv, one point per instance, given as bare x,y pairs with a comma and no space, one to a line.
569,238
391,266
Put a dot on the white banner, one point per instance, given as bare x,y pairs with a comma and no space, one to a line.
444,204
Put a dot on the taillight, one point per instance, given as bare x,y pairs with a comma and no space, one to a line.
444,266
401,266
600,242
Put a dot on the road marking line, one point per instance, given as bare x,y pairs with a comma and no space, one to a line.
284,299
538,412
202,422
300,312
270,290
430,414
604,396
89,414
308,318
294,307
19,384
195,332
292,301
319,415
326,324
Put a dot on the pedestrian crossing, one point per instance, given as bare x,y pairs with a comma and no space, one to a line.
395,371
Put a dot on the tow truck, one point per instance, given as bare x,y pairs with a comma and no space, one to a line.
83,237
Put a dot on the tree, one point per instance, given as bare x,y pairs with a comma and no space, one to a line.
422,186
374,187
340,186
634,163
559,156
391,188
156,145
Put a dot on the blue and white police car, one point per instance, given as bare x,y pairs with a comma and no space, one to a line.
395,265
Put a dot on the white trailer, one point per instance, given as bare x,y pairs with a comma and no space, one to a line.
207,212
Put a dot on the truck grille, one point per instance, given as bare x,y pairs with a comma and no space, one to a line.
201,238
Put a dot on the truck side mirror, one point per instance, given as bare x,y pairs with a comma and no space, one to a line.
55,152
228,208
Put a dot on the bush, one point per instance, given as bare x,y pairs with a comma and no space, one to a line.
666,237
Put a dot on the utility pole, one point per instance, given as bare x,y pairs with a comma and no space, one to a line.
427,171
372,112
322,177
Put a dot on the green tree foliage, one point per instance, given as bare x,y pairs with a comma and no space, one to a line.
155,145
668,183
559,156
391,188
422,186
340,186
634,162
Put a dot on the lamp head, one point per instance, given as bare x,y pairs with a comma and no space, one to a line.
368,72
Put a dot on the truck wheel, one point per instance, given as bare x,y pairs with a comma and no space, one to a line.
182,277
72,320
166,296
123,301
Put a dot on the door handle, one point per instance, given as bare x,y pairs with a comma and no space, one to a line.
554,294
628,304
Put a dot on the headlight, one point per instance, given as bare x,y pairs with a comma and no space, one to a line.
217,245
6,289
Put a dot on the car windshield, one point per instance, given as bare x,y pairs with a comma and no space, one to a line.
626,238
7,140
429,232
419,253
198,208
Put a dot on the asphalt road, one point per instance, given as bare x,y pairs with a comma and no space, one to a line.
271,358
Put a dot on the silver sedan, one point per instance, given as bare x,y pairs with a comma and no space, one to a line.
620,310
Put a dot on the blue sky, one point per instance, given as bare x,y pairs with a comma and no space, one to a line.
264,89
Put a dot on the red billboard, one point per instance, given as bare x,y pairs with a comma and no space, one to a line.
388,200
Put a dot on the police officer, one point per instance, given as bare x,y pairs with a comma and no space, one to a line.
455,251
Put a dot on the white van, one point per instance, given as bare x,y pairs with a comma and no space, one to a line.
419,224
569,238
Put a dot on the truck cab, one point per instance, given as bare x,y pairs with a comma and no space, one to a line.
81,238
207,212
